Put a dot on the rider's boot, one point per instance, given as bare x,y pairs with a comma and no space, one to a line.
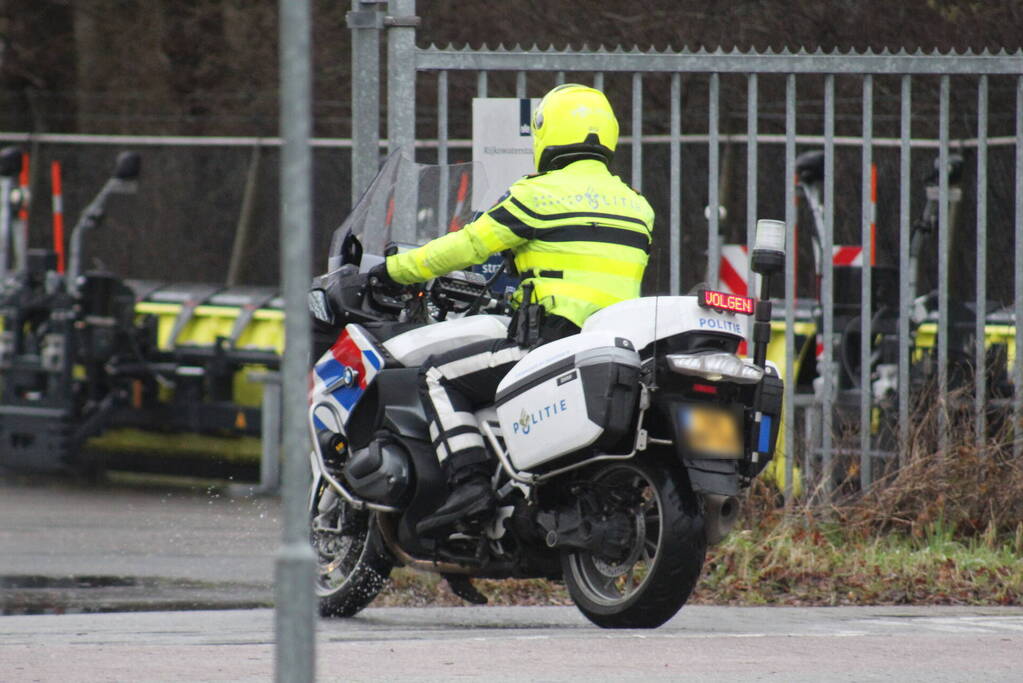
471,496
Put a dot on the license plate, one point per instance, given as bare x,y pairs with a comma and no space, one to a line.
711,431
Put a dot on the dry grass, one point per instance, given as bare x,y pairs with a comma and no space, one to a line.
809,558
947,528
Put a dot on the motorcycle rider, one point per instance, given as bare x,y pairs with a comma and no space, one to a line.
580,239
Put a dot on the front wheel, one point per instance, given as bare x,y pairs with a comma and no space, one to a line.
657,576
352,563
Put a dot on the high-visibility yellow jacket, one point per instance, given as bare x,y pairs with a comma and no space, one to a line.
579,234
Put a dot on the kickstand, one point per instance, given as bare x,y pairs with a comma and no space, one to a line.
461,585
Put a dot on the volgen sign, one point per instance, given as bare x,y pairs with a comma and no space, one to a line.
726,302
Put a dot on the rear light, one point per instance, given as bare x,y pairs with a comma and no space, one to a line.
705,388
715,367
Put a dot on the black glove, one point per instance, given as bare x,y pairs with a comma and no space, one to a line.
382,280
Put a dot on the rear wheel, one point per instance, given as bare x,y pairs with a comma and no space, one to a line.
658,574
352,563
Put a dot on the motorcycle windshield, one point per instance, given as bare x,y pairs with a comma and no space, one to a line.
408,204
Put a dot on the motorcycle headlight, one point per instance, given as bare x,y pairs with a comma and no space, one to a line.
320,307
715,367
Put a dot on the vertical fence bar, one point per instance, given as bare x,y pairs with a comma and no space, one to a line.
752,113
442,149
637,131
790,285
905,295
559,78
442,117
713,178
401,113
520,84
827,284
866,270
481,84
943,246
674,212
598,80
294,600
365,96
1017,393
979,356
751,184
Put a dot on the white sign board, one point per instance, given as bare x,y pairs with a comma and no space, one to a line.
502,144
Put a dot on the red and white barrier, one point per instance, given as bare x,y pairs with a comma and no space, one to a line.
58,214
463,194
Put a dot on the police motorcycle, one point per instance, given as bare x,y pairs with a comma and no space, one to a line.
619,453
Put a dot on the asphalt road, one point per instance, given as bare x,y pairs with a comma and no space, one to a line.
152,548
527,643
133,544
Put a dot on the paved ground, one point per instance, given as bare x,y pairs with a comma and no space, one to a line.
68,549
133,544
527,643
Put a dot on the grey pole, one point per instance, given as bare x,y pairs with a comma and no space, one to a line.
401,108
675,199
1017,393
752,113
866,270
943,245
365,23
294,600
827,284
905,291
790,285
713,179
637,131
980,429
270,432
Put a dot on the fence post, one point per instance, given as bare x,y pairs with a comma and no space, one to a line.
1017,393
365,22
866,278
401,23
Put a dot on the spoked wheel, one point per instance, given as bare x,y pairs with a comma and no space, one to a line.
352,563
660,570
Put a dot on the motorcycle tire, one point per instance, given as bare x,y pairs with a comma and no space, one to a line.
656,578
352,562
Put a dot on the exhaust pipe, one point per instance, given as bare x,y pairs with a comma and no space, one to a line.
720,513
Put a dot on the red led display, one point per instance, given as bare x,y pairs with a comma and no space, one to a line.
726,302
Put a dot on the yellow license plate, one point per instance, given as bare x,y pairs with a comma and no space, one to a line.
711,431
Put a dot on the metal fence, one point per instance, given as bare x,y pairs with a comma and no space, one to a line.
889,106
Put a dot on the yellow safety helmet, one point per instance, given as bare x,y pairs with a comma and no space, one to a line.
573,122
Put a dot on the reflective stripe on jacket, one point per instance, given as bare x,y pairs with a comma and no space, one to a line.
579,234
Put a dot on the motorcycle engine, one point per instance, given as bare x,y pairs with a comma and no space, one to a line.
380,472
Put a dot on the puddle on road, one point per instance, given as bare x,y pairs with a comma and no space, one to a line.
35,594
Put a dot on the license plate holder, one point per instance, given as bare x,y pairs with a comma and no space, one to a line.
709,431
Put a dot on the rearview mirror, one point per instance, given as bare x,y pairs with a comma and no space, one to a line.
351,250
10,162
128,166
